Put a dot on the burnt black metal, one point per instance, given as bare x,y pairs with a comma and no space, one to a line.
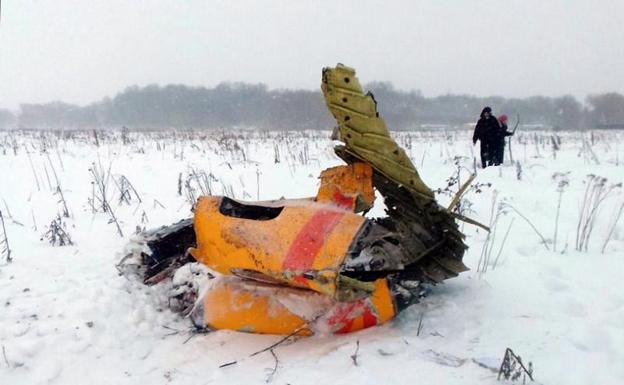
168,247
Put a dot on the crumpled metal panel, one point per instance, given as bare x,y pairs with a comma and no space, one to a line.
247,306
304,246
364,132
350,187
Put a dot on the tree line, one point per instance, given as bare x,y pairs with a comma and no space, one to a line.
230,105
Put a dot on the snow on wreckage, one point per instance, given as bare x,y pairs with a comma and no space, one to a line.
313,265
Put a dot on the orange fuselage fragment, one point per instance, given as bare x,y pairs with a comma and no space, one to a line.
349,187
303,246
286,256
248,306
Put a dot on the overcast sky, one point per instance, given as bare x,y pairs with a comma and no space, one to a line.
82,50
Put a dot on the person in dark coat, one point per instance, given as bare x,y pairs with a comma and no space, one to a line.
498,142
485,132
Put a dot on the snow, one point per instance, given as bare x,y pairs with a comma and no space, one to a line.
67,316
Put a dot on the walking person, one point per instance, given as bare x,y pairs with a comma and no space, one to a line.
498,142
485,132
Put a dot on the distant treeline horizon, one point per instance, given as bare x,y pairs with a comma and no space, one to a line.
245,105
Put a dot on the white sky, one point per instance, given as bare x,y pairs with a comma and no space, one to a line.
82,50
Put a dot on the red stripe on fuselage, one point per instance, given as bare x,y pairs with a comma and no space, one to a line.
343,200
310,240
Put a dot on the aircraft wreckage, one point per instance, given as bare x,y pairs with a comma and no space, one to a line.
316,265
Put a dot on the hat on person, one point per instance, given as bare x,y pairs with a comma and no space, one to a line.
503,118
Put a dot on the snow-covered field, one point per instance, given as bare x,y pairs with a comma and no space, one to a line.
68,317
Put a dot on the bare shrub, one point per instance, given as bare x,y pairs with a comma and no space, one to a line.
56,233
596,192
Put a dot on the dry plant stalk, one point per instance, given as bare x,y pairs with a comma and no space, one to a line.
5,250
612,227
595,194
